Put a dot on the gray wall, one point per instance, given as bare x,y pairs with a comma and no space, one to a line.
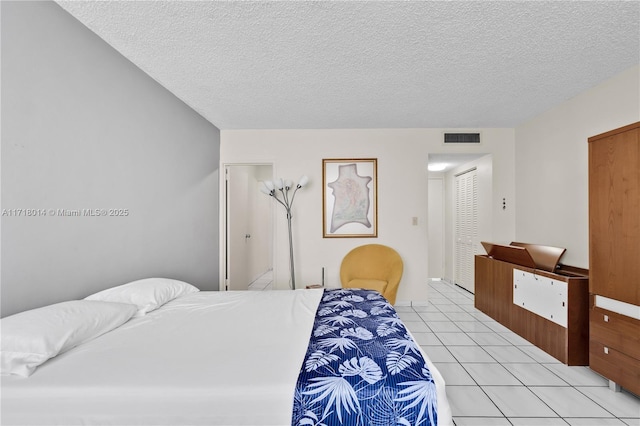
84,128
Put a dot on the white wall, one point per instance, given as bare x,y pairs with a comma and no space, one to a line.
402,192
552,164
83,128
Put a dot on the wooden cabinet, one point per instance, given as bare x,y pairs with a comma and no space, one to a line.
495,280
494,293
614,255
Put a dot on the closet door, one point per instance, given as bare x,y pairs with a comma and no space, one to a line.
466,228
614,215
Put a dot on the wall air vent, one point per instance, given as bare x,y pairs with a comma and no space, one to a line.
462,138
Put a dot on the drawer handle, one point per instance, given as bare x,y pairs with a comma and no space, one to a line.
606,318
606,350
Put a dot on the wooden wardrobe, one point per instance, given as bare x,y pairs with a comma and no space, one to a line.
614,256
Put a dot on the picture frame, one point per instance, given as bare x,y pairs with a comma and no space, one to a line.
350,197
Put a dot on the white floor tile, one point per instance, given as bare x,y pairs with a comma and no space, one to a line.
471,308
569,402
481,316
459,316
514,339
518,401
427,339
451,308
469,348
539,355
439,354
508,354
534,375
441,301
473,327
471,354
454,374
497,327
416,326
426,308
471,401
620,404
444,326
429,317
455,339
488,339
594,422
481,421
490,374
409,315
537,421
577,375
262,283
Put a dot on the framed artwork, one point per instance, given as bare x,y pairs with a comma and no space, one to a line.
350,198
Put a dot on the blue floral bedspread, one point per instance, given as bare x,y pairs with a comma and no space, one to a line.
362,367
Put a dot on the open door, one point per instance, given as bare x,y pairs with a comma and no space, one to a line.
248,225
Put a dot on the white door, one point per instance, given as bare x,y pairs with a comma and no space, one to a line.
248,248
466,228
436,227
238,231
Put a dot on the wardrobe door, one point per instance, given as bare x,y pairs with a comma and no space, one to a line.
466,228
614,215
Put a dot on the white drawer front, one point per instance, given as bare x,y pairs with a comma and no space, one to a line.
543,296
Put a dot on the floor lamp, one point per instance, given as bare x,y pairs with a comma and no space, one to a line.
271,188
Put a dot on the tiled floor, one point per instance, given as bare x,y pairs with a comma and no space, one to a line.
264,282
494,377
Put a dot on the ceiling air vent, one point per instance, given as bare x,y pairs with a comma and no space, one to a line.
462,138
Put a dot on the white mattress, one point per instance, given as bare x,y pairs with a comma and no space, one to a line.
216,358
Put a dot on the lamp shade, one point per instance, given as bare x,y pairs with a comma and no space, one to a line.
265,190
288,183
303,181
278,183
269,185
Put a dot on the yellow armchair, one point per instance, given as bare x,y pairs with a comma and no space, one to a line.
374,267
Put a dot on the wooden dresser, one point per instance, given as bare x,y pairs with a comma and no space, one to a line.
614,256
553,313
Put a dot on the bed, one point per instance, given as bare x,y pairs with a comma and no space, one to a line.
226,358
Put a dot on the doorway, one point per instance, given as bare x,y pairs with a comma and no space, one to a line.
444,221
248,226
436,227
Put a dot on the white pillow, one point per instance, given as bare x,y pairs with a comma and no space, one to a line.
147,294
30,338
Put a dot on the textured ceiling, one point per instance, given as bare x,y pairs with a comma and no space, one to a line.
321,64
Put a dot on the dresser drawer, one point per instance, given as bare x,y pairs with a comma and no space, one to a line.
615,331
615,366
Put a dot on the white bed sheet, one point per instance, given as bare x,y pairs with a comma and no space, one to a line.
216,358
